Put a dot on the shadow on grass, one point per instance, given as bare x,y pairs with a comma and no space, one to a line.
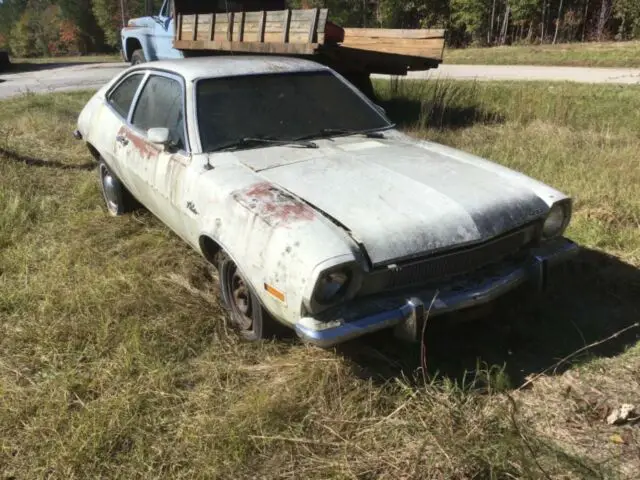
438,104
39,162
409,113
590,299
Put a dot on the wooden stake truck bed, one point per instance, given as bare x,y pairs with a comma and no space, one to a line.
308,33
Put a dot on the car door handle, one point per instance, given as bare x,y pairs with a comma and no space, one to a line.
122,140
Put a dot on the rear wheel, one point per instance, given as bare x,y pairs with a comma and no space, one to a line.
246,313
117,198
137,57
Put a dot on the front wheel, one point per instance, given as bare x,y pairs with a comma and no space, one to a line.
245,310
137,57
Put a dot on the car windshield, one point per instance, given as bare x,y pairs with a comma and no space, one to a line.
284,106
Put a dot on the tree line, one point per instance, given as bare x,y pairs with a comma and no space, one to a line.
60,27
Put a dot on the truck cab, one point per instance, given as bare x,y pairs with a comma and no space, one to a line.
150,38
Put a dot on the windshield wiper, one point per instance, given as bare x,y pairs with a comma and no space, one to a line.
330,132
252,141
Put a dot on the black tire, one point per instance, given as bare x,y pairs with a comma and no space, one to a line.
4,60
246,313
137,57
116,197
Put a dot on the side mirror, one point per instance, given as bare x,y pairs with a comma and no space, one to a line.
159,136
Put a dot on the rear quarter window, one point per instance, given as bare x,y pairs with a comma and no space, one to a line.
121,97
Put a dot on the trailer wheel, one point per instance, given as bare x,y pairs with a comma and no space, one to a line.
137,57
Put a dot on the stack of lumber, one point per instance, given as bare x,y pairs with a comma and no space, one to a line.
414,43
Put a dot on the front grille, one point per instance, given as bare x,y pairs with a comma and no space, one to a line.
456,263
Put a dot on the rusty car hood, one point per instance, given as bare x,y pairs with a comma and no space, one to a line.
401,200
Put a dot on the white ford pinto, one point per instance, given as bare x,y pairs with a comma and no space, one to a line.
316,211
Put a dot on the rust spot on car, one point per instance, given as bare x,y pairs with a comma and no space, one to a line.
144,148
273,205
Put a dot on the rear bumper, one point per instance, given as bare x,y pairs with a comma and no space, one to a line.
406,313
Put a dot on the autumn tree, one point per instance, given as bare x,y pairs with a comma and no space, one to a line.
37,32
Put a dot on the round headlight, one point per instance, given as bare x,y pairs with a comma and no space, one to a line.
332,286
555,221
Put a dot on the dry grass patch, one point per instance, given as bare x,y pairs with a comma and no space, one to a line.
115,360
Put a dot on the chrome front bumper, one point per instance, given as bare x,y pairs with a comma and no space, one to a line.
405,314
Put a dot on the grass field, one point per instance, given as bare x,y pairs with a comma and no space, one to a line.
606,54
115,360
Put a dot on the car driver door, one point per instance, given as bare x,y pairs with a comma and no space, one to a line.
162,171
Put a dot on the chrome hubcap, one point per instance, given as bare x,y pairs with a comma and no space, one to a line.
110,190
241,299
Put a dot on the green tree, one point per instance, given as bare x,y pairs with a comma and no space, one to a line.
37,32
10,13
627,12
80,13
472,16
413,14
109,15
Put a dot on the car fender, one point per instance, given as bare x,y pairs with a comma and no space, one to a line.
278,241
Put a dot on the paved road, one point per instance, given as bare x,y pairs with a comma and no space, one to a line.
60,77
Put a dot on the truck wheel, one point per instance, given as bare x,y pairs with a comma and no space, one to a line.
117,198
137,57
246,313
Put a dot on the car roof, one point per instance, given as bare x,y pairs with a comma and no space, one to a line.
230,66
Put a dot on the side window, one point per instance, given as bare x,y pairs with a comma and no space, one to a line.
167,9
160,105
121,98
